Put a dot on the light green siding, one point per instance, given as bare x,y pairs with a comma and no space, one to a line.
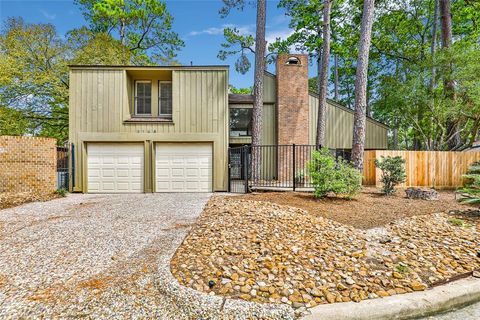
339,122
339,127
101,101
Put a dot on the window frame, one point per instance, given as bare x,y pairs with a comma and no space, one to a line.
160,114
244,107
135,97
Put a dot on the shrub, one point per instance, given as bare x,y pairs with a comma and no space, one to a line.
61,192
393,172
471,189
333,175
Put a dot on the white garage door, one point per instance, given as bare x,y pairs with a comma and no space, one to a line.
115,167
183,167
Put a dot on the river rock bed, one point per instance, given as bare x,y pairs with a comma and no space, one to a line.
264,252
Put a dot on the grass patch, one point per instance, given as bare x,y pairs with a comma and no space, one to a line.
61,192
459,222
401,268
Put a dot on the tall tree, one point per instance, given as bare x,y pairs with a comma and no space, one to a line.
454,140
260,48
245,44
359,125
323,76
143,26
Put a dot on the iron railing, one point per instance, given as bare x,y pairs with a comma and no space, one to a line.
276,167
63,157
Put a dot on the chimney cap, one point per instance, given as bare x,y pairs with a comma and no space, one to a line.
292,60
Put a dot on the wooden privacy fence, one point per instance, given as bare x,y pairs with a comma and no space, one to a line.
436,169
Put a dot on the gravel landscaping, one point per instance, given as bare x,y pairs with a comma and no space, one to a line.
265,252
92,256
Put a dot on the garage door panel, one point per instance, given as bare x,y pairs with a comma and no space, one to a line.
183,167
115,167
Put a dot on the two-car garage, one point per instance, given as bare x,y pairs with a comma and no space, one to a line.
177,167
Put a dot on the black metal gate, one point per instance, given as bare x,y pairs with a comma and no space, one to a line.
63,156
238,169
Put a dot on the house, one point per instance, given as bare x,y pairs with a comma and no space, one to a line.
168,128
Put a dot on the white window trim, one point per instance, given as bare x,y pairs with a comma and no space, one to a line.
135,98
159,97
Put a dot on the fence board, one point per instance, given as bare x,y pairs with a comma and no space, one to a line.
436,169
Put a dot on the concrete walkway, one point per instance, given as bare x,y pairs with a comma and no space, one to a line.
91,256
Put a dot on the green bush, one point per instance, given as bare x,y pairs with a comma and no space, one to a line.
337,176
393,172
61,192
471,189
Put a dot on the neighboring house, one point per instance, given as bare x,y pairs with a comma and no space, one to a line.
168,129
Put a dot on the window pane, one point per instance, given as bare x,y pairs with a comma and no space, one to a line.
240,122
148,105
165,98
140,105
148,89
143,97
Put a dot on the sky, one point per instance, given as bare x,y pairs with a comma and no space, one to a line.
196,21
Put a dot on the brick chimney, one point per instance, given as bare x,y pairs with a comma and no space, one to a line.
292,99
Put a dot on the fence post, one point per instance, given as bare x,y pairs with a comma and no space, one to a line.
73,165
294,167
229,170
245,166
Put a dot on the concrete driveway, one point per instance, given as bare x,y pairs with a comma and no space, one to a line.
90,256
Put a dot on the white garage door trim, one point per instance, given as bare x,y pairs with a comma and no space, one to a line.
183,167
115,167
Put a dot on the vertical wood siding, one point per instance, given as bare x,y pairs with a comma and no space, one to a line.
438,169
339,128
102,99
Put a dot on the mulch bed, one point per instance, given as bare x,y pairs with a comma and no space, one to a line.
367,210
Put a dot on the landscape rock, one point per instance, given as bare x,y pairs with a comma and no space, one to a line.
280,254
420,193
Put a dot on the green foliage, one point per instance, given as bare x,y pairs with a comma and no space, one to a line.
393,172
330,175
471,189
235,90
143,26
401,268
12,122
459,223
61,192
34,78
237,43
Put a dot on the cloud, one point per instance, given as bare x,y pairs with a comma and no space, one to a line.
49,16
272,35
214,31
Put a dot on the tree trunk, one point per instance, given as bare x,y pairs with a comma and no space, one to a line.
433,46
335,77
323,76
453,134
359,125
258,86
122,31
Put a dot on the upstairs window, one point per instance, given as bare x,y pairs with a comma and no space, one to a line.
143,98
165,99
241,122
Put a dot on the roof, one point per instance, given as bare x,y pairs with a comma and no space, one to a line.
234,98
133,67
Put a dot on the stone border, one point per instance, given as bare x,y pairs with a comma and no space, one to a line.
198,305
404,306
